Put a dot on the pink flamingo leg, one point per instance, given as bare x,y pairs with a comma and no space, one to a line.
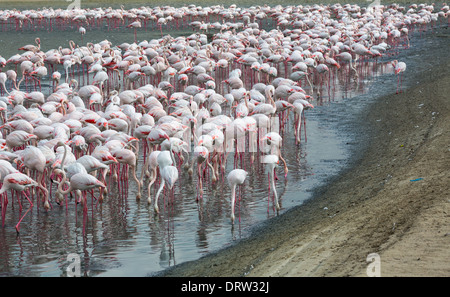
18,224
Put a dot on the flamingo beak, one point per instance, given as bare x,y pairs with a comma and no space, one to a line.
111,158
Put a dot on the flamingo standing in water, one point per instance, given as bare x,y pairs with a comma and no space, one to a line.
169,175
20,182
100,78
34,160
128,158
152,163
399,68
79,181
272,162
273,142
135,25
235,177
82,31
347,57
161,22
38,73
92,164
201,154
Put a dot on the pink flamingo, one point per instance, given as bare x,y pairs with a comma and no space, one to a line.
79,181
273,142
235,177
161,21
152,164
82,32
18,138
272,162
128,157
20,182
91,164
135,25
34,159
169,175
399,68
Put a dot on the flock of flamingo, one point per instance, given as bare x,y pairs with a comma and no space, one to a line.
180,104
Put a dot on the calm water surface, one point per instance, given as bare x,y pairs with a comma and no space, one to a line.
124,237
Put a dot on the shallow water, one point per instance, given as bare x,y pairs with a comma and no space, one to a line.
124,237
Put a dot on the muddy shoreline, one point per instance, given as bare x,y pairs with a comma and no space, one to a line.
392,200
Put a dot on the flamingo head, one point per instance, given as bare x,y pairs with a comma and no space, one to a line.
183,78
109,158
268,138
56,164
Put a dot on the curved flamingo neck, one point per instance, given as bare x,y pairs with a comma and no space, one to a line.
63,181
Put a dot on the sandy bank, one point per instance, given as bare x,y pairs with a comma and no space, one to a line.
394,202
